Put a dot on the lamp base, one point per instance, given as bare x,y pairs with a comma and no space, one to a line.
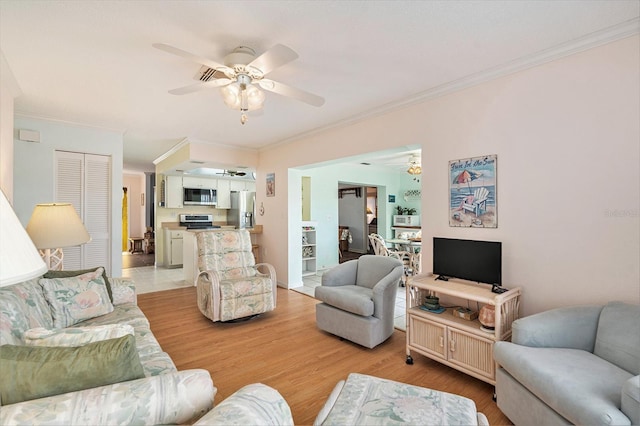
53,258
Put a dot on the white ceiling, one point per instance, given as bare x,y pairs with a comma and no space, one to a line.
92,63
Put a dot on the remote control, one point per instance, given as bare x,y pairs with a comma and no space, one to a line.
499,290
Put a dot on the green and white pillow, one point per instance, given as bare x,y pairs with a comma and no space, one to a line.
74,273
30,372
75,336
76,299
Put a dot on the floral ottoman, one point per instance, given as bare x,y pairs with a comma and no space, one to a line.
368,400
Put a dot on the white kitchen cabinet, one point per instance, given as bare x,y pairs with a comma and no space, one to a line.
237,185
199,182
173,247
173,192
243,185
224,194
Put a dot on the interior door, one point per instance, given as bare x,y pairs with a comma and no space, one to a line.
84,180
69,177
97,211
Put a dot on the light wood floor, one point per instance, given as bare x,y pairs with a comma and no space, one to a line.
285,350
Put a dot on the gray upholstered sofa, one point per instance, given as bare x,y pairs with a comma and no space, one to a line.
573,365
358,299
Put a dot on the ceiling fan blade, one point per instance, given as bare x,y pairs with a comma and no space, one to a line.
292,92
273,58
187,55
200,86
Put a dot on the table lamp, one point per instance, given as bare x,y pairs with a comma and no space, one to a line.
19,258
55,226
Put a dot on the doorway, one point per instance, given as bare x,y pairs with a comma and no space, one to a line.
136,226
372,213
357,217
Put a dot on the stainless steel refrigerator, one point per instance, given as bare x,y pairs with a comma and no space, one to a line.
243,209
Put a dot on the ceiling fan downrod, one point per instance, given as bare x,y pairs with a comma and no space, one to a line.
243,81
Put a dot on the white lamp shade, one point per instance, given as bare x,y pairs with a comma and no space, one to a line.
56,225
19,258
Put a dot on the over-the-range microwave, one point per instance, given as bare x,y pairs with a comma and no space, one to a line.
199,197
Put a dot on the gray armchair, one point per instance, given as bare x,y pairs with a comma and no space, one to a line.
572,365
358,299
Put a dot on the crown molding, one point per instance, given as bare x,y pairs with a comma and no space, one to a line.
589,41
19,114
172,151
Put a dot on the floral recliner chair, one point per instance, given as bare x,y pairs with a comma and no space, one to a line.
230,284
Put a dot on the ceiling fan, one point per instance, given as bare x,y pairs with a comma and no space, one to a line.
242,76
231,173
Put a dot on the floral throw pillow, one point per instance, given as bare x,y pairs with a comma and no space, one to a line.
75,336
76,299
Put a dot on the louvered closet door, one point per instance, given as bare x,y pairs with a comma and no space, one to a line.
97,210
69,177
85,181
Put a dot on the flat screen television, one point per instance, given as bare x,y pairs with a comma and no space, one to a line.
471,260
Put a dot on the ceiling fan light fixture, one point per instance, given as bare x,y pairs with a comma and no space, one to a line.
414,166
244,97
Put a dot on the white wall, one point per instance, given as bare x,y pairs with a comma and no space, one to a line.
567,138
8,91
34,170
324,211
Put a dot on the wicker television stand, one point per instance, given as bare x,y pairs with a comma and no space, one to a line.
459,343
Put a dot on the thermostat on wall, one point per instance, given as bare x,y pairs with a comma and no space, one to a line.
29,135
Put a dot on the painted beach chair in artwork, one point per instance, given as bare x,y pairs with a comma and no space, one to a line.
479,202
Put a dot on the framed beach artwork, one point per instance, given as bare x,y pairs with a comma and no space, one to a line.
472,192
271,184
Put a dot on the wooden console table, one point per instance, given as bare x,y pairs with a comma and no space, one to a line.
459,343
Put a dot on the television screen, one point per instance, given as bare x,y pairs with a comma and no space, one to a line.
479,261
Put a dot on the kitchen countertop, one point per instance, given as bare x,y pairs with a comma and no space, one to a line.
176,226
173,225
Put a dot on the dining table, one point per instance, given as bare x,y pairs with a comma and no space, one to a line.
412,245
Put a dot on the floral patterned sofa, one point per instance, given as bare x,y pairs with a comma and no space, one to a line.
30,318
163,396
